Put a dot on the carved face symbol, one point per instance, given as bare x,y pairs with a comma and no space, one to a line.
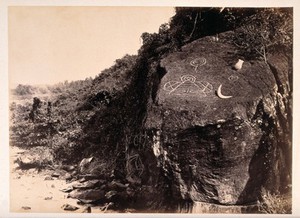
188,78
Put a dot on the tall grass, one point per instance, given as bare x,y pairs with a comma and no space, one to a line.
275,204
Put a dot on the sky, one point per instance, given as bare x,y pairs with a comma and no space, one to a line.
51,44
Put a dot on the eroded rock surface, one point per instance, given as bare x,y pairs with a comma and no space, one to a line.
189,129
208,147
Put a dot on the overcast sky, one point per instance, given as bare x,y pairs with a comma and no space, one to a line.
52,44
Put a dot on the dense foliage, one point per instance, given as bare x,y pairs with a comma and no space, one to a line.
56,116
255,30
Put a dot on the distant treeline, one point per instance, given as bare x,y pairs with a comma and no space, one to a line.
47,89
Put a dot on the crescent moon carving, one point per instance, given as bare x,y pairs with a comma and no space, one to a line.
220,95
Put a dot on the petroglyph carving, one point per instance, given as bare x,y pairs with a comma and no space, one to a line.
233,78
198,62
220,95
188,86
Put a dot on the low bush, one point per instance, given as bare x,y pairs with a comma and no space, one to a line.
275,204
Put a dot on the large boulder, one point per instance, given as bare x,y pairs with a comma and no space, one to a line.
214,128
188,128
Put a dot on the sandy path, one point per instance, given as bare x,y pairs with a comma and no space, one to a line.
30,192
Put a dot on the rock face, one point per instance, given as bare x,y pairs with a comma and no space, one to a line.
191,129
36,157
215,130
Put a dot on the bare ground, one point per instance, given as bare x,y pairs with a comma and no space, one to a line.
30,192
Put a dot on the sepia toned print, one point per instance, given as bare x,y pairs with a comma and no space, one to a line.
191,113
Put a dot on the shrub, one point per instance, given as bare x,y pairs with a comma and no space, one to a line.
266,30
23,90
275,204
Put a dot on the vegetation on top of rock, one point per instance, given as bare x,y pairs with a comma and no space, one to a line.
256,30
